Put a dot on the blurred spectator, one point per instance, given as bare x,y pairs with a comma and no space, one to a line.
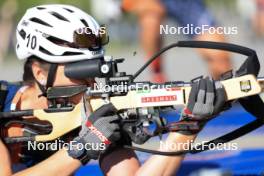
151,14
258,19
253,13
7,14
111,10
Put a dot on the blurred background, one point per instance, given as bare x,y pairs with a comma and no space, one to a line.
125,39
128,40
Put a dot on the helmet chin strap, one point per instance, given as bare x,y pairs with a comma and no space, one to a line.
50,80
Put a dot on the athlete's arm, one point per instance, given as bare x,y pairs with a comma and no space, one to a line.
126,160
58,164
205,101
5,164
99,128
158,165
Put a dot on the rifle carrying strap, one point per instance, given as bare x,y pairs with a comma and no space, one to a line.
50,80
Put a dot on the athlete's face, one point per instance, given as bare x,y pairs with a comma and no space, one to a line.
61,79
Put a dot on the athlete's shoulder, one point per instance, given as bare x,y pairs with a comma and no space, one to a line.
7,93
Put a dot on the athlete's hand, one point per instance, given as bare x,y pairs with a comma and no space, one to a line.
99,131
207,99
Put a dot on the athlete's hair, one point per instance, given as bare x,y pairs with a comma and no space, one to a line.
28,76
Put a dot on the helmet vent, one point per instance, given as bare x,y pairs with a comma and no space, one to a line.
69,10
85,23
68,53
37,20
41,49
22,33
57,41
60,17
41,8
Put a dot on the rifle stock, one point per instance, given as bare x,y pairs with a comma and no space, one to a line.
62,122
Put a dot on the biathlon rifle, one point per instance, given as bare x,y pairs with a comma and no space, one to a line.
139,107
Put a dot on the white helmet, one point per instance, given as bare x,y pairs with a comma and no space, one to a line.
49,32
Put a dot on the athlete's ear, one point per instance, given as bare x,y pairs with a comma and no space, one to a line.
39,73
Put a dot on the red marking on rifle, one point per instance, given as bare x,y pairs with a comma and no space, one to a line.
158,98
187,111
